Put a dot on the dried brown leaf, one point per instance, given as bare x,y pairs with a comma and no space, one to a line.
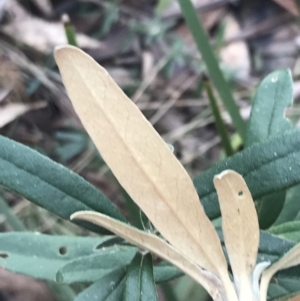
289,5
11,111
38,33
141,161
240,228
156,245
236,55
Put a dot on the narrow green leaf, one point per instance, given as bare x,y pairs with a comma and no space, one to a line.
41,256
272,245
10,217
290,285
140,285
165,272
273,96
288,297
191,17
275,291
269,207
148,288
220,125
187,289
267,120
69,30
48,184
132,208
267,167
168,291
291,209
108,288
93,267
132,290
289,230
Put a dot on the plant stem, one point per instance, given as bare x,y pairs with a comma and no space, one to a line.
221,128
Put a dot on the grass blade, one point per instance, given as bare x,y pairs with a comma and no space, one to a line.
221,128
197,30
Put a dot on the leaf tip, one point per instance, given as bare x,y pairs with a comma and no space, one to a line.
79,215
225,174
60,50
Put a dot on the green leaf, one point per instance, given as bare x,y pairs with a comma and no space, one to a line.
267,120
220,125
70,31
190,15
269,207
10,217
93,267
275,291
288,297
165,272
288,230
48,184
187,289
273,96
46,254
267,167
290,285
108,288
140,285
291,207
162,5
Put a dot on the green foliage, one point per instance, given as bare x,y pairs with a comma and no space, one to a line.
273,96
267,120
70,32
108,288
289,230
71,144
291,207
67,259
51,257
117,271
220,125
286,297
140,284
267,167
48,184
269,164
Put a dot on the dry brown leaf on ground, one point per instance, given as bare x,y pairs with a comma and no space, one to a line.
289,5
236,55
11,111
37,33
